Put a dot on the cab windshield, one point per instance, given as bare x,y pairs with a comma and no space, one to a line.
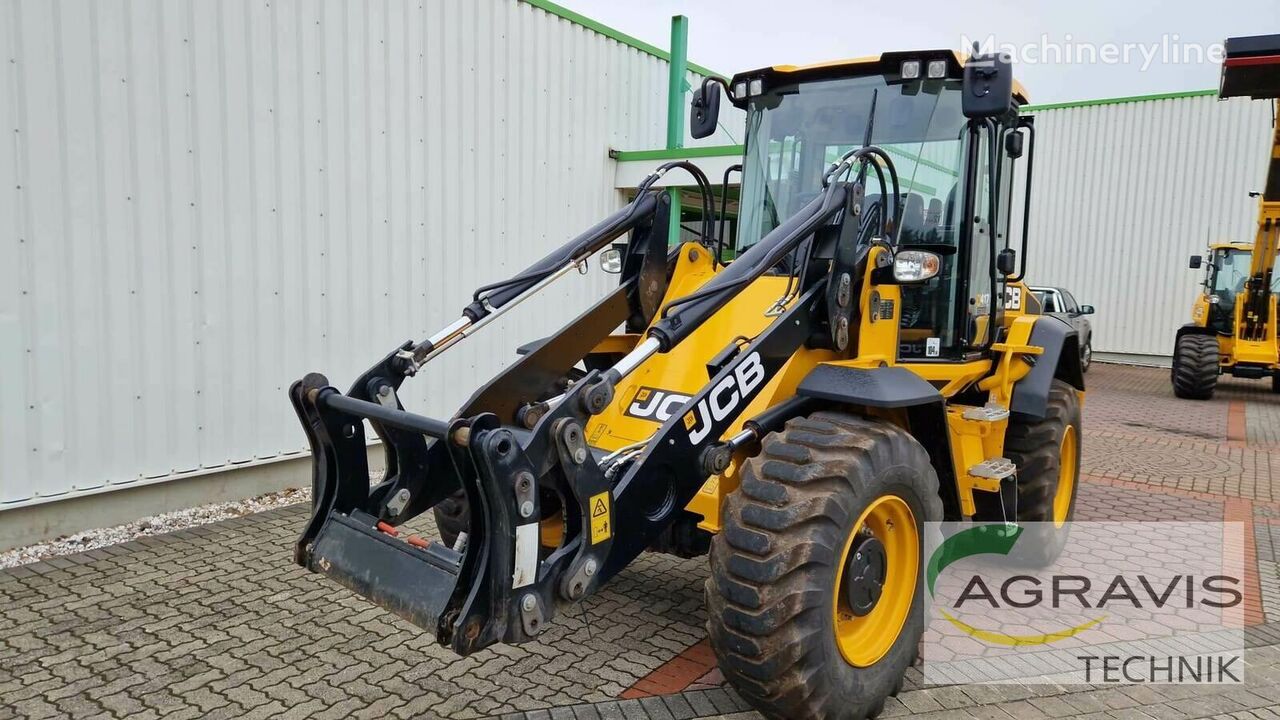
1228,272
795,131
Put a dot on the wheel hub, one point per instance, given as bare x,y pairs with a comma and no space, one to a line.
865,574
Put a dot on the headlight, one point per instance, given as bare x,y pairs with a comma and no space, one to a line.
910,69
915,265
1214,299
937,69
740,89
756,87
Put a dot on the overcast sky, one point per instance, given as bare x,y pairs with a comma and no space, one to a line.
1170,38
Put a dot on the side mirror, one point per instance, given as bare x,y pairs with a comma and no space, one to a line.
1007,260
1086,309
1195,263
1013,145
988,86
704,110
611,260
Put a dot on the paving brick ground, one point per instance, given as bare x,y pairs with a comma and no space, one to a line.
215,622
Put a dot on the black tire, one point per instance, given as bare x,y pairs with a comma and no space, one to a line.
1275,383
1195,367
771,595
453,516
1035,445
1086,355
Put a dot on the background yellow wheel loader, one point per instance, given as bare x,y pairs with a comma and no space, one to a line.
866,363
1233,327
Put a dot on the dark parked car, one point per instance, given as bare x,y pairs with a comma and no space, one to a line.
1058,302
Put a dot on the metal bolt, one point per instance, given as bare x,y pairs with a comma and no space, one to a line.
528,602
580,455
598,402
384,391
524,481
526,508
590,568
399,501
844,293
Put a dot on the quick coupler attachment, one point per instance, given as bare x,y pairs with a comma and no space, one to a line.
348,537
497,586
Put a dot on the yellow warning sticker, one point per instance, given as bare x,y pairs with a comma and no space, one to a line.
601,526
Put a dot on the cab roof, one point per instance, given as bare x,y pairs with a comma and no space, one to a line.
888,62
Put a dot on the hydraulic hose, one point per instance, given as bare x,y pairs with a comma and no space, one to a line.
724,204
704,190
496,295
685,314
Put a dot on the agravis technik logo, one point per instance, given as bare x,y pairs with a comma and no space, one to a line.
989,539
1121,602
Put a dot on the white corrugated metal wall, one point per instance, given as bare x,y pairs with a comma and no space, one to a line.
1126,192
202,201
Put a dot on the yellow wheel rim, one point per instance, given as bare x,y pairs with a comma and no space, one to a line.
1066,477
864,640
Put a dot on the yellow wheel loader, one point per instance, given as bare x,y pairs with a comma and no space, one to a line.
1233,327
867,362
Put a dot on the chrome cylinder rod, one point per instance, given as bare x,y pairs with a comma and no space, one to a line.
745,437
633,359
463,327
449,332
625,366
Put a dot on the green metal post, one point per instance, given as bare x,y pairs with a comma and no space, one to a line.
677,67
676,82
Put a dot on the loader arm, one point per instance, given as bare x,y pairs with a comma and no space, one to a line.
350,535
518,455
1252,68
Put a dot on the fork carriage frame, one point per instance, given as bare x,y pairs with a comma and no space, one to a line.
509,441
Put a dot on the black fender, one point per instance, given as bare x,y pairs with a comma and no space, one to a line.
1193,329
894,387
886,387
1059,361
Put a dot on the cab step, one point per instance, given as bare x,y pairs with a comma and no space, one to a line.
991,412
994,469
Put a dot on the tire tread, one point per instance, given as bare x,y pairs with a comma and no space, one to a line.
768,623
1195,367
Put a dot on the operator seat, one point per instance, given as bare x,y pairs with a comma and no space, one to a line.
914,228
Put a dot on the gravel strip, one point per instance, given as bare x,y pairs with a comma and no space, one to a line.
154,525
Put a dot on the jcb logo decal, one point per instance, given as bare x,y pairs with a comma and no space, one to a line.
654,404
1012,298
724,398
